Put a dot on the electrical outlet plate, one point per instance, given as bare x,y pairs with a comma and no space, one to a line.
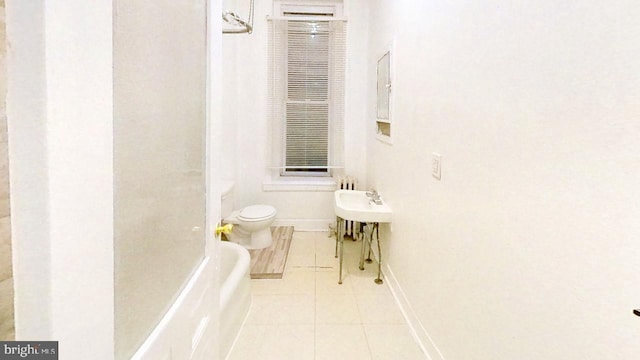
436,166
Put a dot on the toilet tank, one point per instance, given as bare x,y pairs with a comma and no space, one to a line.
227,199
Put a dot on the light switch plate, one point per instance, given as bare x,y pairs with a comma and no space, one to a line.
436,166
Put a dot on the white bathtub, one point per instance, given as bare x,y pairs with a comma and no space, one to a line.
235,293
186,326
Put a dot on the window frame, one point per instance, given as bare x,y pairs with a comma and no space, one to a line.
335,127
385,124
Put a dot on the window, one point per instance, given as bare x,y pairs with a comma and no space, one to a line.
307,63
307,100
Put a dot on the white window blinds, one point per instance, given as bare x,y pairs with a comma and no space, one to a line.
307,63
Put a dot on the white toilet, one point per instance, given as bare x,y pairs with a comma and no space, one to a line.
251,224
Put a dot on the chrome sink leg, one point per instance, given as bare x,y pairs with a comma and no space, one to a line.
341,258
340,243
379,279
363,235
337,234
369,261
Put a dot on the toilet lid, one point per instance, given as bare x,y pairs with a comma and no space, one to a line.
256,212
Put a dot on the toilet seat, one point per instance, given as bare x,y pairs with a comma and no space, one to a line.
256,213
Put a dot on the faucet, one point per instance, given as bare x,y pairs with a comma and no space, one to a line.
374,196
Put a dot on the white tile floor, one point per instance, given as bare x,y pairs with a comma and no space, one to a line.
307,315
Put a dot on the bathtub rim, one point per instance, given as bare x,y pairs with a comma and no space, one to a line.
234,282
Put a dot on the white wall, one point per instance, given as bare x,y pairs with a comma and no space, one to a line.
60,134
30,226
248,143
528,247
229,95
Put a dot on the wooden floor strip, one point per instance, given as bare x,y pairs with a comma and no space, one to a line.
269,263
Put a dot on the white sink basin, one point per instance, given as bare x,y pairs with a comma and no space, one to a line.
357,206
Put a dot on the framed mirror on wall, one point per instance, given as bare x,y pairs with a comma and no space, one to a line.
383,102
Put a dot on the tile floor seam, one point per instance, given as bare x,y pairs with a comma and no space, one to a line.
315,300
366,338
356,285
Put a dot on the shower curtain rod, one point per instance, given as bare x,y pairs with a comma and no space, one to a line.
231,18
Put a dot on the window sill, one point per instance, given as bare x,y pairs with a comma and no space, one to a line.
384,138
299,184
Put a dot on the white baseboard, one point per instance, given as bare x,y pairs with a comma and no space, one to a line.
417,330
306,224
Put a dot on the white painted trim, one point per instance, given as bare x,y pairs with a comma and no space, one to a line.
307,18
336,8
299,184
306,224
213,129
391,50
418,331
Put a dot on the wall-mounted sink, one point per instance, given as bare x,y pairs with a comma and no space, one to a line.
357,206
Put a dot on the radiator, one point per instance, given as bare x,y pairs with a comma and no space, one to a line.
348,183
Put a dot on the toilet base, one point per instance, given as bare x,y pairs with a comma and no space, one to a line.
261,239
256,240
